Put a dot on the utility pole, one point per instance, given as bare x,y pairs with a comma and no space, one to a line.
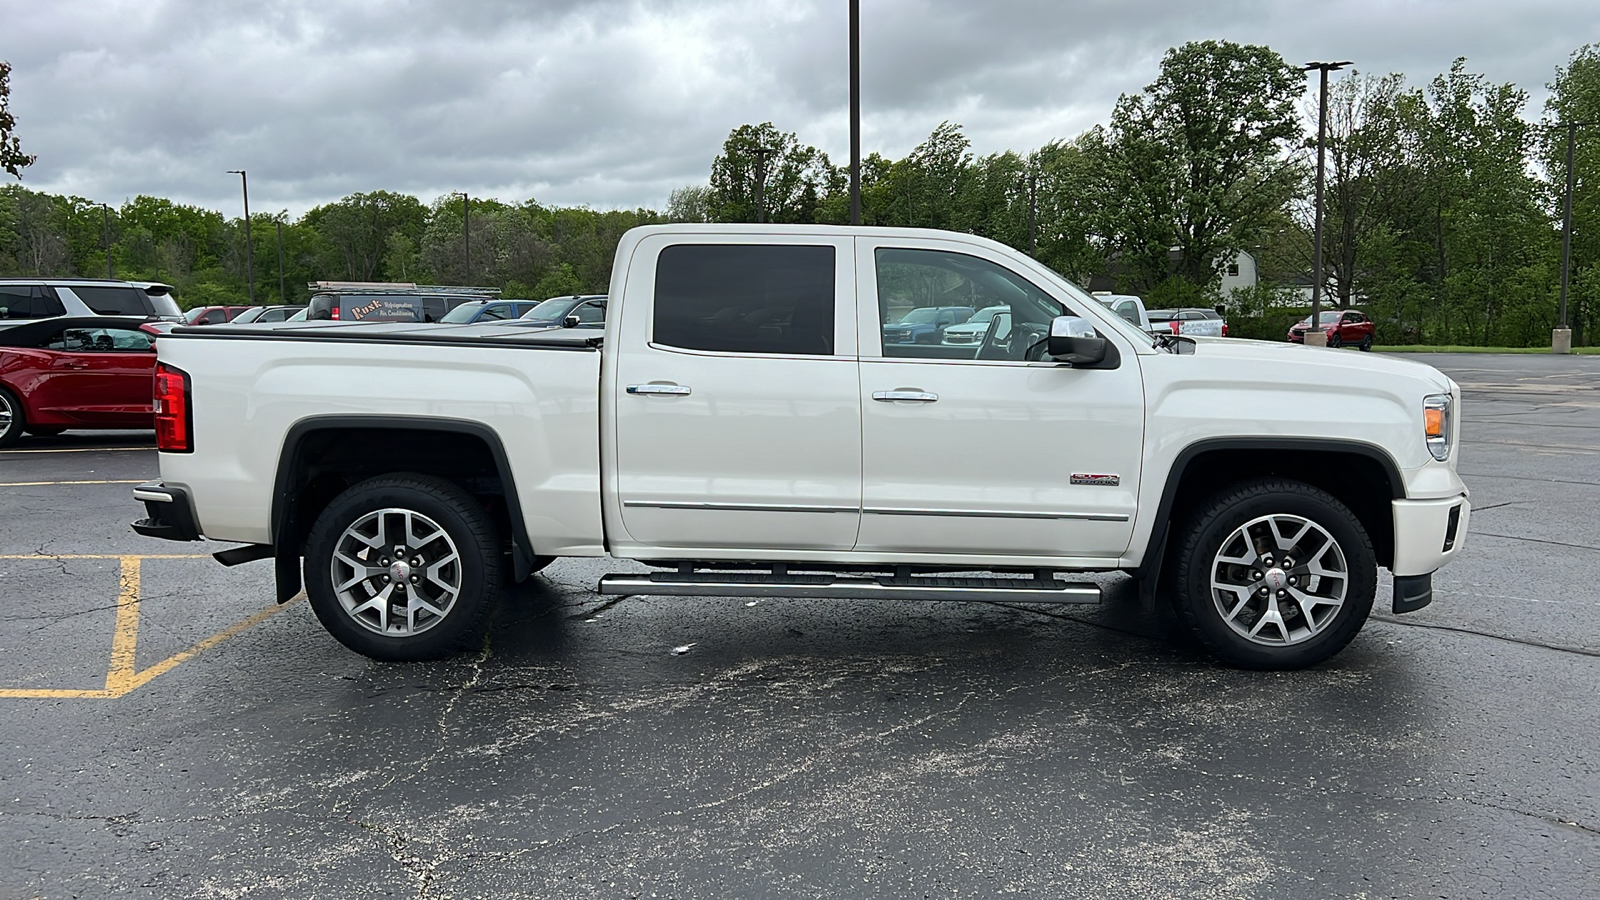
466,233
106,228
249,248
1315,336
282,296
1033,213
855,112
761,180
1561,337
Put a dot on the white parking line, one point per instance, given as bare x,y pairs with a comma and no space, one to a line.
80,450
49,483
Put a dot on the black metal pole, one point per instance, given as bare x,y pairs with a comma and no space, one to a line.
283,297
249,245
855,112
1317,275
106,228
1033,214
1566,224
466,235
761,182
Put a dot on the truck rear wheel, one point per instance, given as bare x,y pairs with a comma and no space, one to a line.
403,567
1274,574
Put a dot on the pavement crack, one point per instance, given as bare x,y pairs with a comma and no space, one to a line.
1512,537
602,607
398,846
1577,651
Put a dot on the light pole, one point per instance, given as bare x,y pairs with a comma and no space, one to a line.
249,248
1315,336
761,180
282,296
106,228
1561,338
1033,213
855,112
466,233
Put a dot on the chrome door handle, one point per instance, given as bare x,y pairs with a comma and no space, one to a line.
76,365
678,389
913,396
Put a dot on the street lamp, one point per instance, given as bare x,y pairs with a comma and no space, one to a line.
466,233
1315,336
106,228
249,248
855,112
761,154
1561,338
282,296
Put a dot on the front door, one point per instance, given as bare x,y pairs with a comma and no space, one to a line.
738,419
983,450
101,376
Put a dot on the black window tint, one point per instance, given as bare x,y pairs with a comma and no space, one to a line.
745,298
18,301
108,300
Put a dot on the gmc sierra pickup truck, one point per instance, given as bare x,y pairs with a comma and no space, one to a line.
741,426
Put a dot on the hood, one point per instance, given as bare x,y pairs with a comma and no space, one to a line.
1336,363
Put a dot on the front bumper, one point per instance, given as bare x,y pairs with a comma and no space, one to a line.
171,515
1428,533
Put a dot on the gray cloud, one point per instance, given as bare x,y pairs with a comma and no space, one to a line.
616,103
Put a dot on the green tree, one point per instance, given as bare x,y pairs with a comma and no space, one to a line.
1575,97
357,229
797,177
12,159
1192,168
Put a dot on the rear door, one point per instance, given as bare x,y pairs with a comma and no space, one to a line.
737,411
100,376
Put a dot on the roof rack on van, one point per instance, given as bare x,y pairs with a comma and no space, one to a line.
398,287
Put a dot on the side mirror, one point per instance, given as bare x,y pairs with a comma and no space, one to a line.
571,321
1073,341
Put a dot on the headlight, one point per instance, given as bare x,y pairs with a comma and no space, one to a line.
1436,425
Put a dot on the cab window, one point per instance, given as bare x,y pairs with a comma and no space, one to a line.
102,340
745,298
912,280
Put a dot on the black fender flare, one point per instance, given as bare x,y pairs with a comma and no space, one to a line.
1150,565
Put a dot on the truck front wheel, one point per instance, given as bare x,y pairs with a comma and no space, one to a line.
403,567
1274,574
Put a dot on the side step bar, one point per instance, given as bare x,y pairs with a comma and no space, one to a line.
845,587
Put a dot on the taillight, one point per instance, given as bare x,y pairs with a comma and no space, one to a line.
174,419
334,313
1175,326
1224,329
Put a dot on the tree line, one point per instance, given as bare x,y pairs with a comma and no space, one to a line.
1442,210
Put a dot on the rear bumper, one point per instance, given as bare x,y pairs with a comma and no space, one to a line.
1428,533
170,514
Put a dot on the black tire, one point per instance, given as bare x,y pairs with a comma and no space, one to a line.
44,431
1366,344
12,419
1334,340
1228,516
434,504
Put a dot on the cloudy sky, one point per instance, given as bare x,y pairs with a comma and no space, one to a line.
614,104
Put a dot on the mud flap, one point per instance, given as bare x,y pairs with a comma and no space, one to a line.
1412,592
286,568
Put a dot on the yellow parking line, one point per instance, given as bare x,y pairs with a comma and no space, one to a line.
79,450
123,674
47,483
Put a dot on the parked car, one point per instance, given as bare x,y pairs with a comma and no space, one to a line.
589,308
1346,328
1190,321
733,430
213,315
75,372
973,330
42,298
1129,307
265,314
350,301
926,325
474,311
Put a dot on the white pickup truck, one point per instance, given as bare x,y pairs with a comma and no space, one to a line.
741,426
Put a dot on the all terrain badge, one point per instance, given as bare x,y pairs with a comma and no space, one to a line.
1101,480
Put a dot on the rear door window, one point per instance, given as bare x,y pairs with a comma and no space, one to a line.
19,301
114,300
745,298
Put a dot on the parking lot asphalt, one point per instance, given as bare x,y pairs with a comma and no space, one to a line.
170,732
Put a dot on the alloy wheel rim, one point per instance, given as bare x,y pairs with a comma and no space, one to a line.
396,572
1279,580
7,415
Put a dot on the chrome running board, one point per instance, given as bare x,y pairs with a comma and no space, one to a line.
1042,588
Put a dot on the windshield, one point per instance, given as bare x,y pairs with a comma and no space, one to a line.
920,316
462,313
554,308
249,315
1327,318
983,316
194,314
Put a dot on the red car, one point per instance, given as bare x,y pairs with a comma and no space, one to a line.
71,372
1344,329
212,315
